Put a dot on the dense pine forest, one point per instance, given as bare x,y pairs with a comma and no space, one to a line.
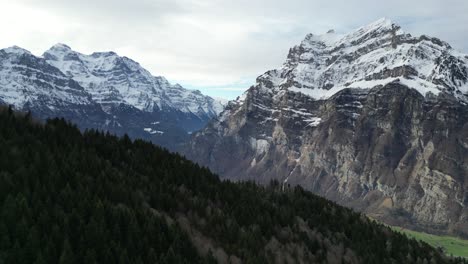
91,197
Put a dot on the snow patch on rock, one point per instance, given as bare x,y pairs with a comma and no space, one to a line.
152,132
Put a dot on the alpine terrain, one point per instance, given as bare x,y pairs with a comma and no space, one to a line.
376,119
92,197
104,91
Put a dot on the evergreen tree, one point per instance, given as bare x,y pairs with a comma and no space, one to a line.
67,256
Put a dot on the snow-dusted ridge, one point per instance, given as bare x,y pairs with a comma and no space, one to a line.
376,54
25,79
107,77
103,91
112,79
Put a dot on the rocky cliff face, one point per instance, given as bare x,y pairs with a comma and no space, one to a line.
376,119
103,91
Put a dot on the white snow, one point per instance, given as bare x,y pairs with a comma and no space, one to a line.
107,77
253,162
21,84
422,86
110,78
299,112
314,121
324,64
152,132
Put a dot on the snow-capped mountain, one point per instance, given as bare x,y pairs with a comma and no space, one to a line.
25,78
376,119
376,54
104,91
30,83
112,80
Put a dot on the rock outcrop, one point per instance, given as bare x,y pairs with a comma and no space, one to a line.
376,119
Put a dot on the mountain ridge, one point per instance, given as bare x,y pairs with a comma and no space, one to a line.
374,119
118,93
379,51
94,73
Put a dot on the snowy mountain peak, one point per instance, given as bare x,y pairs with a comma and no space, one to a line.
374,30
60,47
27,80
376,54
114,80
320,41
16,50
104,91
382,23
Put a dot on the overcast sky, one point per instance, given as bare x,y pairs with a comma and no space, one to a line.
216,46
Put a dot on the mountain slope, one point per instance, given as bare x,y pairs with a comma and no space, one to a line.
375,119
114,80
68,197
104,91
28,82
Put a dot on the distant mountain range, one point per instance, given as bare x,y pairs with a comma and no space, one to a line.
376,119
103,91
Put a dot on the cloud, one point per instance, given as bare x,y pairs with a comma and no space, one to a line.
213,43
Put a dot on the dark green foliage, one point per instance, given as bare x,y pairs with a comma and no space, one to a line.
67,197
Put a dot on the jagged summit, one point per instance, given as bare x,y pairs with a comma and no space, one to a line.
102,90
62,50
383,22
27,80
112,80
375,54
372,30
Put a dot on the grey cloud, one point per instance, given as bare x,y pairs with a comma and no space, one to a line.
110,11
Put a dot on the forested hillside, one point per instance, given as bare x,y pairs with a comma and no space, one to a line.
375,120
71,197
